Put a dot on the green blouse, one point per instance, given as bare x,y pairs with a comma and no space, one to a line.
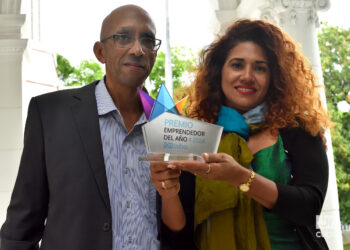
272,163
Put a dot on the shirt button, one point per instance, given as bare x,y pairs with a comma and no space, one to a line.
129,240
126,171
106,226
128,205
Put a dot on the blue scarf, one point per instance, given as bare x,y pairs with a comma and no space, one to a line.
232,121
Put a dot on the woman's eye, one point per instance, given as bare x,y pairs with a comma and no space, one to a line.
236,65
261,69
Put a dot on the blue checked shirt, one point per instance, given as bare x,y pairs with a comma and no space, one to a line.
131,192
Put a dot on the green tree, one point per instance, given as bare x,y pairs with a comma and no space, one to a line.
182,62
334,43
86,72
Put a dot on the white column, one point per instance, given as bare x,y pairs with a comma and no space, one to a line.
299,19
10,6
168,67
11,131
225,12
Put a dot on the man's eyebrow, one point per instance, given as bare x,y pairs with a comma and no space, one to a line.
125,30
147,34
131,31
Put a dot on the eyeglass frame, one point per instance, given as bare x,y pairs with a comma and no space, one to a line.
157,46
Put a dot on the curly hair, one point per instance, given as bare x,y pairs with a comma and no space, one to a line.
293,99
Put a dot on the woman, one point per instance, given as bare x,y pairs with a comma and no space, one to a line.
267,184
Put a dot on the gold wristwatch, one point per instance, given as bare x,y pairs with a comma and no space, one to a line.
245,187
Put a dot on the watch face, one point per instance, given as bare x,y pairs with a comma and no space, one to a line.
244,187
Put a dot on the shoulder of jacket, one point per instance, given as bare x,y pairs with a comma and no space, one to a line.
62,94
294,137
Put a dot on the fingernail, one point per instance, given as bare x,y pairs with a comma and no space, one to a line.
205,156
171,166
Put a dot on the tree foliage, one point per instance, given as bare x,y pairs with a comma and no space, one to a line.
334,43
182,63
87,71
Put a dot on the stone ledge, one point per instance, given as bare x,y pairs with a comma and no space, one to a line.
10,25
12,46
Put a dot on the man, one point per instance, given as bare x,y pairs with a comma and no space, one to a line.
80,184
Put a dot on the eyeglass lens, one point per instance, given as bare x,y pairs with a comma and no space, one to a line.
127,41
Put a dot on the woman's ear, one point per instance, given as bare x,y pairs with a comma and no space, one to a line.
99,51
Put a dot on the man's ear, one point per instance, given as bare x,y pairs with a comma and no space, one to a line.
99,52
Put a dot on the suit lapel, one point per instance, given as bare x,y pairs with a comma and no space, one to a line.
84,110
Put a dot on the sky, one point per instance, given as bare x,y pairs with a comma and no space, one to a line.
77,32
70,27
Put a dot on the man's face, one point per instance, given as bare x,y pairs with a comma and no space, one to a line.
129,66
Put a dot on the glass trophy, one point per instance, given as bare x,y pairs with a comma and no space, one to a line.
171,157
170,136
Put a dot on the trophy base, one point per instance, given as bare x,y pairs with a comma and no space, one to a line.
165,157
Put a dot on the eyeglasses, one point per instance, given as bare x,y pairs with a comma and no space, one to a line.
127,41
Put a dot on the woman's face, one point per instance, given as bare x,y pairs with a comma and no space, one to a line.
245,77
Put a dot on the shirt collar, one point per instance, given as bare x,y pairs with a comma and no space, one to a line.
105,102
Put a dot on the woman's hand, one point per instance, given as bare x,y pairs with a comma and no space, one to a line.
165,179
218,166
224,167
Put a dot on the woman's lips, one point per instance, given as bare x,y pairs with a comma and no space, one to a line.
244,90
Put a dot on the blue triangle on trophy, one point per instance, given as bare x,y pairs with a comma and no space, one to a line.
173,110
164,103
164,97
159,109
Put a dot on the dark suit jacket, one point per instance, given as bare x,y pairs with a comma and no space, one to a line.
61,193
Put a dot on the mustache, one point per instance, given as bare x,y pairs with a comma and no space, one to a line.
135,59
